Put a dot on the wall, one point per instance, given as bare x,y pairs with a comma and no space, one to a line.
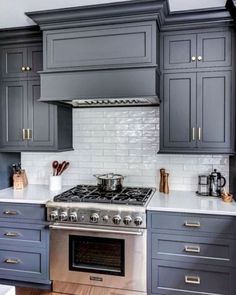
125,141
12,12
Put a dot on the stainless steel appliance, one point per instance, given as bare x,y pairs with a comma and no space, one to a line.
109,182
99,238
203,185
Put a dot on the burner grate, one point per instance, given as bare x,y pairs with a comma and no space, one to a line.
90,193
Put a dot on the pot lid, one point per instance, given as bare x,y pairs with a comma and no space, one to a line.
109,176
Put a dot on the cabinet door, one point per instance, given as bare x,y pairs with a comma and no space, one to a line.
214,110
214,49
40,118
12,61
35,60
179,50
179,110
13,114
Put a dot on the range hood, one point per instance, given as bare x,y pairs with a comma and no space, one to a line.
101,55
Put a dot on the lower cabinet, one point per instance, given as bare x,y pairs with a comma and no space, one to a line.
24,244
188,256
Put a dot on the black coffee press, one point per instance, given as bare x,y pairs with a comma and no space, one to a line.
217,182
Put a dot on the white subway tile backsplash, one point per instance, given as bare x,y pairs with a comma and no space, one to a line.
125,141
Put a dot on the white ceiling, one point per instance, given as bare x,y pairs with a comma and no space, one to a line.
12,11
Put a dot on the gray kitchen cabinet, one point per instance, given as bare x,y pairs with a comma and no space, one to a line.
24,244
21,62
196,112
201,50
26,123
30,125
191,253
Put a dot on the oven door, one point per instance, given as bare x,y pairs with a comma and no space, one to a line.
99,256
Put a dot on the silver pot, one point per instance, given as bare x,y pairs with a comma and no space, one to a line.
109,182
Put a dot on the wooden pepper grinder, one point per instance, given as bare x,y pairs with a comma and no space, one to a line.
166,183
161,186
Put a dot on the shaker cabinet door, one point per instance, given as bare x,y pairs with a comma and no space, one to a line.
214,110
214,49
40,118
179,111
13,62
180,51
35,60
13,114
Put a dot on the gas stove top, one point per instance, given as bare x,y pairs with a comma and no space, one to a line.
87,205
89,193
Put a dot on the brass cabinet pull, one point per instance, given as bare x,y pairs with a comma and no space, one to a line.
199,133
11,234
23,69
12,261
193,133
28,69
29,134
24,135
9,212
192,224
196,280
193,58
199,58
192,249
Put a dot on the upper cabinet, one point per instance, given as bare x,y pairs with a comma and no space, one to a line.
25,123
202,50
101,46
21,62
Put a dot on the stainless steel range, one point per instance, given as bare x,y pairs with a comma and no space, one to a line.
99,239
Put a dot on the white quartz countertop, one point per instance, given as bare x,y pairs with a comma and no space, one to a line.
7,290
31,194
189,202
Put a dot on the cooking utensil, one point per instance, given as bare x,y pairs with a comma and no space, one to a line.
64,166
109,182
217,182
55,165
59,168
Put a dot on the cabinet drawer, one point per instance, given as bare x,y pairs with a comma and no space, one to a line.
23,234
177,278
194,249
125,44
23,264
19,211
193,223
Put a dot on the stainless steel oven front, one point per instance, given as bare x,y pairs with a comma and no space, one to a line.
99,256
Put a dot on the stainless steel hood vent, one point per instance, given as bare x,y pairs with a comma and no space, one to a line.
113,102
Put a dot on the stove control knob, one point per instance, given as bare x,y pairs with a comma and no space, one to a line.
53,215
138,221
94,218
116,219
105,218
63,216
127,220
73,216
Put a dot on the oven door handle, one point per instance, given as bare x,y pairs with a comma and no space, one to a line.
97,230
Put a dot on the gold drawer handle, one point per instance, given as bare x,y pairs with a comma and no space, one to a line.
9,212
195,280
12,261
192,249
192,224
11,234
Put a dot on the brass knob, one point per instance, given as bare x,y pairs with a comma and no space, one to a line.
23,69
193,58
199,58
28,68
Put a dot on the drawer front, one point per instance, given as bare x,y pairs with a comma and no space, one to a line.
114,45
19,211
23,263
192,223
194,249
23,234
176,278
